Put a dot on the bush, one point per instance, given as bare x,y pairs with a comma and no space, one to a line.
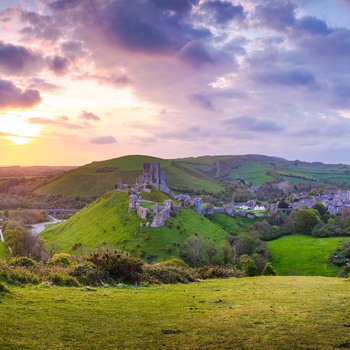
89,274
3,288
18,275
206,272
120,266
249,267
61,259
23,261
60,279
268,270
175,262
158,273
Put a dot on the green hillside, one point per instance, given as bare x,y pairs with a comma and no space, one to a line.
303,255
106,222
96,178
194,174
275,313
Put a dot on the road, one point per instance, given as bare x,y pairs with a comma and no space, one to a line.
1,236
37,228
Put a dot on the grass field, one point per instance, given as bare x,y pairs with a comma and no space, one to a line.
275,313
252,172
303,255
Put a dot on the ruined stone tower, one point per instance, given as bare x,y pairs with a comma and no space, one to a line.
151,174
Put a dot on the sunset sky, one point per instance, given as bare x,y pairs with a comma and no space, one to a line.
88,80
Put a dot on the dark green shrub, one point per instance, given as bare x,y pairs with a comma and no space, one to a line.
60,279
158,273
18,275
268,270
120,266
249,267
4,288
89,274
23,261
206,272
175,262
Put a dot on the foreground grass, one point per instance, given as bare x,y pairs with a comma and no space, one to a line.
303,255
251,313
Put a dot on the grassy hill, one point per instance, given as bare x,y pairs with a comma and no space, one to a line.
194,174
106,222
303,255
96,178
276,313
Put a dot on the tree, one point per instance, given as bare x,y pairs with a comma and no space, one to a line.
193,247
306,220
320,207
210,250
248,266
268,270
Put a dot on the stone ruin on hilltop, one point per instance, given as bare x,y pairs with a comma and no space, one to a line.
152,176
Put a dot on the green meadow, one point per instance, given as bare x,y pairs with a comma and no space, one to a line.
303,255
248,313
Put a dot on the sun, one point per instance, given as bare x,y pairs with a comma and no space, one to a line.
17,130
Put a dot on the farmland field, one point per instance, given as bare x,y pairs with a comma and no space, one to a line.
273,313
303,255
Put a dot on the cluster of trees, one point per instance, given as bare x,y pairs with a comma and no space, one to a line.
235,251
309,221
17,234
29,201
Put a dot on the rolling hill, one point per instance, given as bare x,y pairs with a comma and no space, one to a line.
207,174
107,223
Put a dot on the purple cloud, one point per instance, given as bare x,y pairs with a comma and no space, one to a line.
289,77
40,26
103,140
196,54
18,60
276,15
14,97
58,64
202,101
89,116
223,11
310,25
42,85
249,123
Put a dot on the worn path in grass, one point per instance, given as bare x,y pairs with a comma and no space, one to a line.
250,313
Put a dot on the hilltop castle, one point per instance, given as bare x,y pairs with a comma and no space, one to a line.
152,175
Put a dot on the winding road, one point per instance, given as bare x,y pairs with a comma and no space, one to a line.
37,228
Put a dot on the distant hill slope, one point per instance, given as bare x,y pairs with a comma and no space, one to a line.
194,174
106,222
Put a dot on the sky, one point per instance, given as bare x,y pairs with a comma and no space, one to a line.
89,80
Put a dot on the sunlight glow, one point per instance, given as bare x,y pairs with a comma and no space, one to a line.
17,130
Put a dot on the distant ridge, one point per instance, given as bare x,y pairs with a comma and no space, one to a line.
204,174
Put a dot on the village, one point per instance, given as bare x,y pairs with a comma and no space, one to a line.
158,213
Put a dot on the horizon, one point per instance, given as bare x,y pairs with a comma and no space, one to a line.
83,81
148,155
